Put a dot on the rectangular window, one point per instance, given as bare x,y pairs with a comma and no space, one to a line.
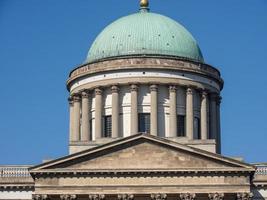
181,126
107,126
91,130
144,123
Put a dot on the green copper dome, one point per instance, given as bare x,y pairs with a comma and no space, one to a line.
144,33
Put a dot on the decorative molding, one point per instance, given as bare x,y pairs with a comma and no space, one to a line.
158,196
216,196
125,196
96,196
187,196
115,89
244,196
40,197
153,88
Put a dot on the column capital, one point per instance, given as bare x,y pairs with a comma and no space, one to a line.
244,196
154,88
216,196
40,197
189,91
115,89
213,96
187,196
158,196
70,100
96,196
76,98
172,88
68,197
219,100
98,91
204,94
134,88
125,196
85,94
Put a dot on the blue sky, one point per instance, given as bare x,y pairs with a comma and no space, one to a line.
41,41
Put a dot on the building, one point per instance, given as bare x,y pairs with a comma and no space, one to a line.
144,124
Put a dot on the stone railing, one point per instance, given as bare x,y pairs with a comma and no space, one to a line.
14,171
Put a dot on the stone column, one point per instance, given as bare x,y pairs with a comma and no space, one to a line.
115,111
158,196
203,116
98,113
213,116
71,133
125,196
244,196
85,117
188,196
216,196
154,110
173,111
68,197
76,117
134,110
189,114
218,103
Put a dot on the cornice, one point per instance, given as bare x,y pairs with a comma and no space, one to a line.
126,63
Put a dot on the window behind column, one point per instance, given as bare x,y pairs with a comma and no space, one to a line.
107,126
144,123
180,125
197,128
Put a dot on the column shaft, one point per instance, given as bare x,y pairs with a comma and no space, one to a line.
98,113
203,116
173,111
189,114
154,110
85,117
218,125
76,117
134,110
115,111
71,133
213,116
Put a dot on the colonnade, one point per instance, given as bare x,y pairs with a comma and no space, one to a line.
80,113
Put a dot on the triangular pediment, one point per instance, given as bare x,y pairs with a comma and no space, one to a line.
143,152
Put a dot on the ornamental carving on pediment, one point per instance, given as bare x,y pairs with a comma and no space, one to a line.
125,197
244,196
158,196
68,197
216,196
40,197
188,196
96,196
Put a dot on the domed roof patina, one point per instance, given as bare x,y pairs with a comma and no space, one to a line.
144,33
